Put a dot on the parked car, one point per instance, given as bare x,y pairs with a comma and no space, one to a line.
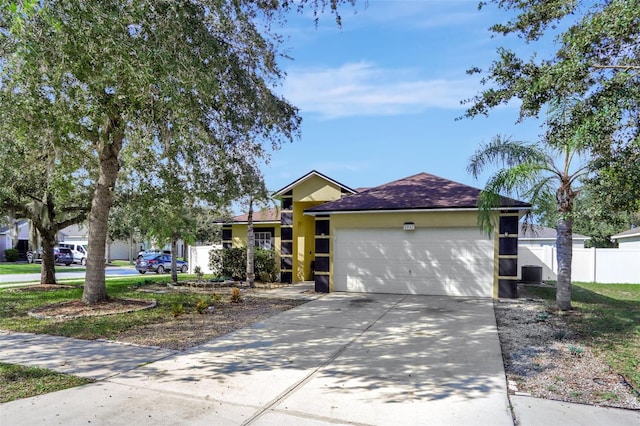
63,255
60,255
159,263
146,252
79,252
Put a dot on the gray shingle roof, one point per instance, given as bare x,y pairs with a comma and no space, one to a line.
628,233
420,191
543,233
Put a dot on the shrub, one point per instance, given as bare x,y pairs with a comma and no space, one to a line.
575,350
216,257
177,310
199,273
265,265
201,306
11,255
236,296
234,263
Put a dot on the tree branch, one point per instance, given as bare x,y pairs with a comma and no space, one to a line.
617,67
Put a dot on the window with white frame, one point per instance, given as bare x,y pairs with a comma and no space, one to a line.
263,240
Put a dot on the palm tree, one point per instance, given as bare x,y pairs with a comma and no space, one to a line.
529,170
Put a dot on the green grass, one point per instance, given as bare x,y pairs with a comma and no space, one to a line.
121,263
31,268
24,382
14,306
20,268
608,321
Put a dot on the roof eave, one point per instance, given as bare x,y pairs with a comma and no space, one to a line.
622,237
416,210
312,173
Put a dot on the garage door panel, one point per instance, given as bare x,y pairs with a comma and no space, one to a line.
441,262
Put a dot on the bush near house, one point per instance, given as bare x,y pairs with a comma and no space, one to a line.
11,255
265,265
234,264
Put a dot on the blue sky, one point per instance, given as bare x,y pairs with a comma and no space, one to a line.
379,97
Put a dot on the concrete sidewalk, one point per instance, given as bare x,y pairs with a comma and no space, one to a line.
340,359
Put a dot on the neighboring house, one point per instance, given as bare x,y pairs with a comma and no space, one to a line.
629,239
7,234
115,250
417,235
541,236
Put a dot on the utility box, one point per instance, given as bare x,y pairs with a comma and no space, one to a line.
531,274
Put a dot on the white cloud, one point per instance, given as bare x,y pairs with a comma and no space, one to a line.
361,89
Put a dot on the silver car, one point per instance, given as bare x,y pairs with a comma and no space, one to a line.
159,263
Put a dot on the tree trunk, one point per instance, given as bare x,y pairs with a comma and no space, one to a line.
95,289
564,244
251,242
174,263
48,270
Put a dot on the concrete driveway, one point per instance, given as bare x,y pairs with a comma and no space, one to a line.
342,359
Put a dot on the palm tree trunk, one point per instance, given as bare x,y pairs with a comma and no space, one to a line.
564,246
251,242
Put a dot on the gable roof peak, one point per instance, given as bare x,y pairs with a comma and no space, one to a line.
309,175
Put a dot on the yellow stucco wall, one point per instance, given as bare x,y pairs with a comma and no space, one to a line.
307,194
389,220
239,232
304,249
316,189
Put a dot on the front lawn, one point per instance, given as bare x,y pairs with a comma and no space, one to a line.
23,382
31,268
20,268
176,322
607,316
121,263
16,303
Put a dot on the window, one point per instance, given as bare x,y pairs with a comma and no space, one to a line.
263,240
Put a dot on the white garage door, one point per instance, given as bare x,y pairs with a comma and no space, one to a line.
444,261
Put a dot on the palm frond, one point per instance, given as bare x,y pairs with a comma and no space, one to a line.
505,152
514,181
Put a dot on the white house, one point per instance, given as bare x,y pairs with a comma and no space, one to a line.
7,235
629,239
118,249
541,236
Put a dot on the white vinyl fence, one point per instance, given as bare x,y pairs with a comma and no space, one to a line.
199,256
589,265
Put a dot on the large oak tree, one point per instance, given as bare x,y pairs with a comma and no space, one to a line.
145,67
39,180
